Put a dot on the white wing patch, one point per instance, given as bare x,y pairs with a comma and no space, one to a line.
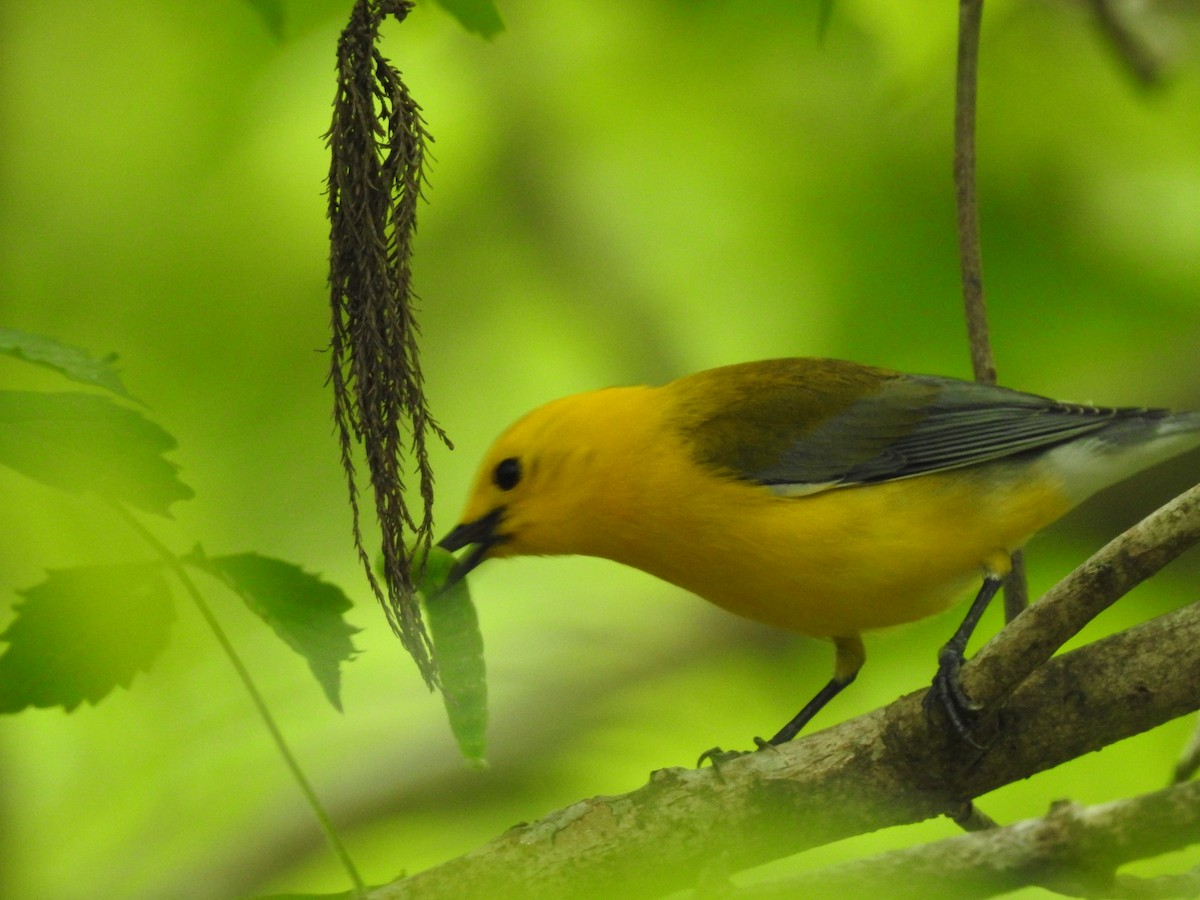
804,490
1090,464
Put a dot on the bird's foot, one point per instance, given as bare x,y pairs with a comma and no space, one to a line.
948,695
718,757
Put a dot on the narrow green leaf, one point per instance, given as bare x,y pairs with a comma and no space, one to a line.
271,12
477,16
83,442
458,650
74,363
306,612
82,632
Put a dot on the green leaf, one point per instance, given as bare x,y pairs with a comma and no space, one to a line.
82,632
271,12
76,364
458,650
83,442
477,16
303,610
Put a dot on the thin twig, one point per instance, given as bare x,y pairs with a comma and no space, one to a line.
970,14
971,818
173,563
1016,588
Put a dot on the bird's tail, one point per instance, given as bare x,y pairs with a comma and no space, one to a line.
1180,423
1134,441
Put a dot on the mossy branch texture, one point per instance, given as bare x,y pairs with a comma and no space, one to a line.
377,145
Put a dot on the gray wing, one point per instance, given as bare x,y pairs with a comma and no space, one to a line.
919,424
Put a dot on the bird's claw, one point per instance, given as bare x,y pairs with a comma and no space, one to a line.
718,757
947,694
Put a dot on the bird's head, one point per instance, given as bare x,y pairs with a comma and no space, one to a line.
546,481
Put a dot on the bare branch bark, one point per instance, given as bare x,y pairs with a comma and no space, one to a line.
1072,850
888,767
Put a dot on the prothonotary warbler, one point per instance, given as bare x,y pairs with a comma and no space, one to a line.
817,495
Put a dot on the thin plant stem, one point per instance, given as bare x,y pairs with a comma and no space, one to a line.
176,566
970,12
970,15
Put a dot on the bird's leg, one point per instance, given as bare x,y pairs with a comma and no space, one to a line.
947,691
850,656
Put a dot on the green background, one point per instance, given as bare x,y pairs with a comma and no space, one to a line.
623,192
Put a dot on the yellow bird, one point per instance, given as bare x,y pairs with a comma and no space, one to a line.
817,495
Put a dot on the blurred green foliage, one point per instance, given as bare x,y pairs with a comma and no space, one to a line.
622,192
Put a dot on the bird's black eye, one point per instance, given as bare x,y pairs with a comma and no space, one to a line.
507,474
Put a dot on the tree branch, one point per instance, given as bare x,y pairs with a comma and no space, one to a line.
888,767
1034,636
1072,850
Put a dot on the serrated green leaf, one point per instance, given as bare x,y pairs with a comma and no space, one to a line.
74,363
83,442
271,12
477,16
458,650
306,612
82,632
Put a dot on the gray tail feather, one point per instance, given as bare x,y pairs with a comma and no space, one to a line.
1137,440
1148,426
1180,423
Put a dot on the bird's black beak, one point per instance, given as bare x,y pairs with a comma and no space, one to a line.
482,533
